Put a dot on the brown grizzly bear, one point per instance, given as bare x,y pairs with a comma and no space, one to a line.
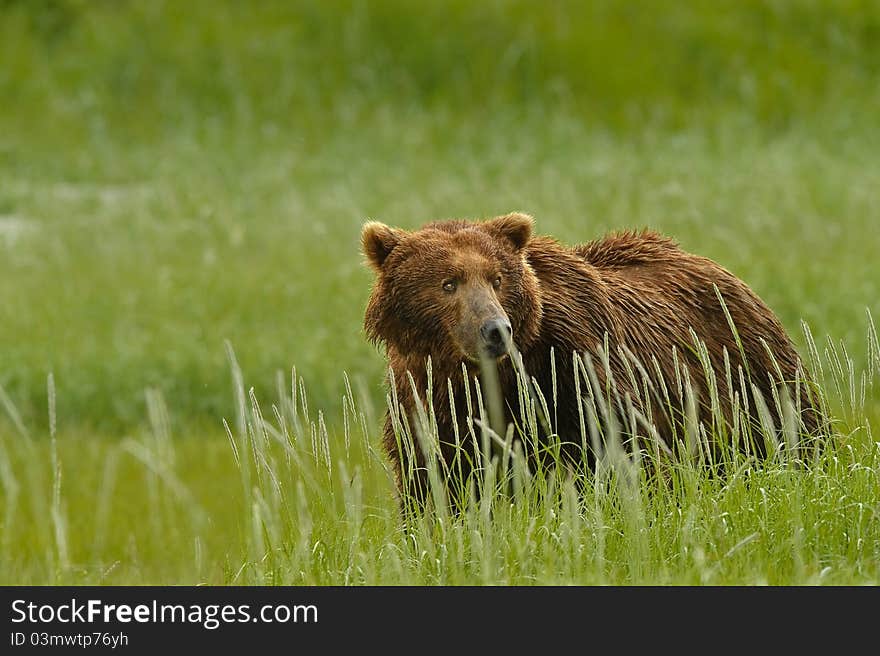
458,291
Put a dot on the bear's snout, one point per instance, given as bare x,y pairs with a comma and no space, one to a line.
496,335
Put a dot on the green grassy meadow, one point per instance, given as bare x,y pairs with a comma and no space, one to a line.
184,181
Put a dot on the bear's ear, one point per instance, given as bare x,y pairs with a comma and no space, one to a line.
378,240
516,227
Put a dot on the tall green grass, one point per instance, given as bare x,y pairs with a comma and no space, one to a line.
301,503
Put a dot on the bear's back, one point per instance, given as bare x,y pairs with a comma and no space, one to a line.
628,248
649,281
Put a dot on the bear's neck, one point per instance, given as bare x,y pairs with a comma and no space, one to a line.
462,378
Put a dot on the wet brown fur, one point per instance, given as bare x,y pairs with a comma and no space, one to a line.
639,288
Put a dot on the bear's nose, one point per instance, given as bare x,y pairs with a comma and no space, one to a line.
495,334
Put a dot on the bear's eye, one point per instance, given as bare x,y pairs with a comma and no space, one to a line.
449,286
497,282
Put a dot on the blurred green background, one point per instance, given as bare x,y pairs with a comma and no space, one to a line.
175,174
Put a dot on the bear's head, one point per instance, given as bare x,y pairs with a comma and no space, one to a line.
457,290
